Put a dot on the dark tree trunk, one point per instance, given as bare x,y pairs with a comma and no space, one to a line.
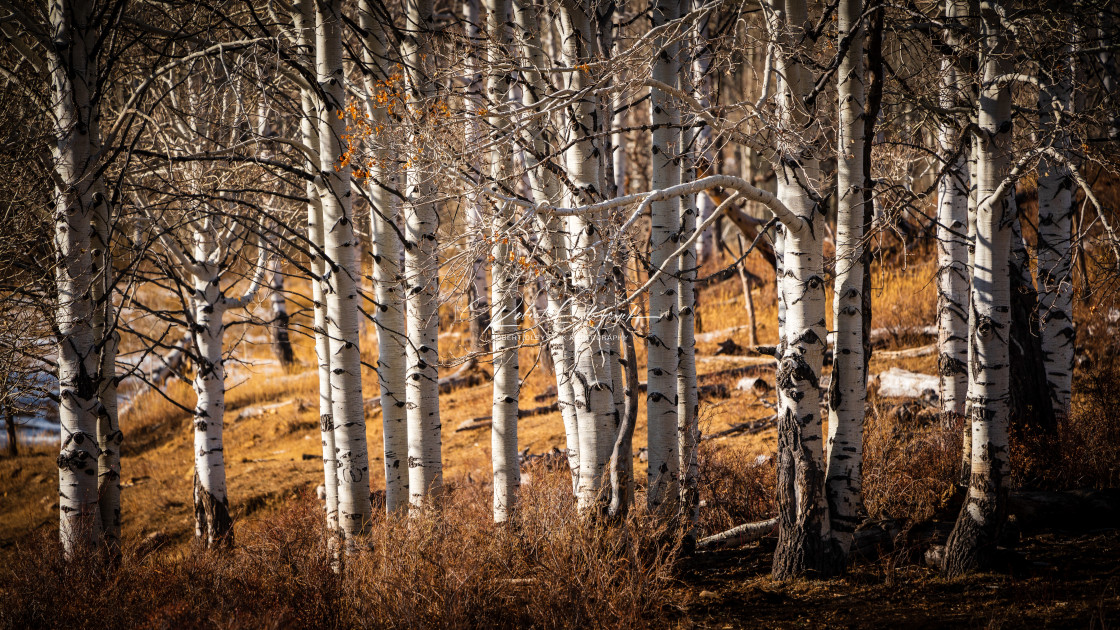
13,447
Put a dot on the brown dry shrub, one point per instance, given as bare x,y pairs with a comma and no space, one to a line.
908,472
737,485
447,570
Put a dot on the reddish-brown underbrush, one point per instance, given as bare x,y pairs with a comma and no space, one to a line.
450,569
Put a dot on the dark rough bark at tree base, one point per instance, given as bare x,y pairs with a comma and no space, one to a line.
802,549
213,525
972,544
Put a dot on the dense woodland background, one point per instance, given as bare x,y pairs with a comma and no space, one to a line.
786,314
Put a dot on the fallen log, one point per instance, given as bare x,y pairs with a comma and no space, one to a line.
738,536
751,427
467,376
909,353
482,422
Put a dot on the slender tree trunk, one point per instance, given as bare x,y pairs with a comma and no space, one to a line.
663,490
952,250
505,301
477,287
848,388
595,412
213,525
303,18
70,65
554,238
341,249
972,542
804,538
703,145
10,423
109,436
1055,236
278,327
387,278
425,458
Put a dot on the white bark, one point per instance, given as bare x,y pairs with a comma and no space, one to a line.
974,537
388,283
303,18
505,301
663,470
211,503
478,289
952,251
703,146
848,388
109,436
804,537
340,245
69,66
546,189
425,462
1055,233
592,370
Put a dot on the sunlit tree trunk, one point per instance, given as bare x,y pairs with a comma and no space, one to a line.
661,394
387,278
477,287
505,301
340,245
554,241
595,412
303,19
952,249
71,68
425,463
848,387
213,525
804,538
972,542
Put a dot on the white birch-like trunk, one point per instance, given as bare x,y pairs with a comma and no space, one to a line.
663,472
388,281
278,311
703,146
425,459
595,412
848,388
554,238
505,301
804,539
1055,235
340,245
69,68
213,525
109,435
303,18
477,288
972,543
952,251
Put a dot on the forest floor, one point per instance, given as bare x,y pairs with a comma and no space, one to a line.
273,455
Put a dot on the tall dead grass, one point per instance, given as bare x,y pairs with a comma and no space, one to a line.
451,570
